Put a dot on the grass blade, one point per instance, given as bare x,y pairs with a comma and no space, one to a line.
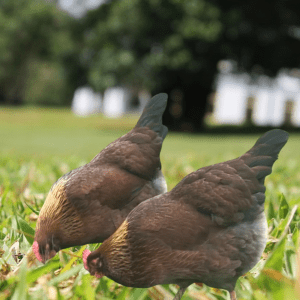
33,275
65,275
71,262
20,291
32,209
26,229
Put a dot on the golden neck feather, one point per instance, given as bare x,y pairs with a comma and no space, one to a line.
115,249
58,213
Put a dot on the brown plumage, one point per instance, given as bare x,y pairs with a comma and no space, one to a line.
89,203
210,228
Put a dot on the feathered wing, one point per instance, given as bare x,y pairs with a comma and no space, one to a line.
95,198
125,173
234,190
169,242
159,235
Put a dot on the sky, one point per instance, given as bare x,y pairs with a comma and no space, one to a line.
78,8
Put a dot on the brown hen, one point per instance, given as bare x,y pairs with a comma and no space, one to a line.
210,228
89,203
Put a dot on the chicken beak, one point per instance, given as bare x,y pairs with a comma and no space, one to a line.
48,254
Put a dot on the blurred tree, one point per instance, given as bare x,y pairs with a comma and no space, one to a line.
174,46
168,46
35,45
165,46
261,35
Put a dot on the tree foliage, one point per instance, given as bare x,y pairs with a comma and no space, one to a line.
261,35
131,42
168,46
35,38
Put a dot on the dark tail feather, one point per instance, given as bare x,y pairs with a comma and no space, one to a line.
270,143
264,153
152,115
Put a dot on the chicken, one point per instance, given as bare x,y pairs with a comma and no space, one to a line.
89,203
210,228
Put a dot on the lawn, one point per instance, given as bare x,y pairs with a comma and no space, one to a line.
40,145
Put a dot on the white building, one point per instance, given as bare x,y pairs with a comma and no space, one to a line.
116,101
274,98
120,100
86,102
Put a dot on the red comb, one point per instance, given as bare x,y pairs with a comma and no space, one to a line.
35,248
85,254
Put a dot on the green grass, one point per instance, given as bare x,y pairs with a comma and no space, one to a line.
40,145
